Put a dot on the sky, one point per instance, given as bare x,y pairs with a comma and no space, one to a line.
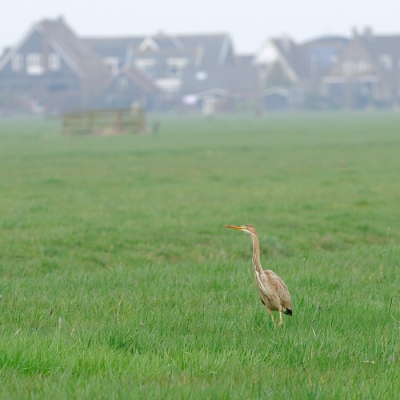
249,22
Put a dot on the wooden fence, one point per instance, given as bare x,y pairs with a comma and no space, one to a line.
105,122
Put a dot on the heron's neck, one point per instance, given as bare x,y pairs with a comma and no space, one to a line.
256,256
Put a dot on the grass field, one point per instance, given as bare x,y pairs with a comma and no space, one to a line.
118,280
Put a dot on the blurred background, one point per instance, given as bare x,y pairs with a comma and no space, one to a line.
205,57
117,277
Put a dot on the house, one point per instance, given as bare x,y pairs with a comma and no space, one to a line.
367,72
211,101
276,99
179,65
296,69
129,86
50,69
238,77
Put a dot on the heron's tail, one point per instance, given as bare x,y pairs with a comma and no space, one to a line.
287,311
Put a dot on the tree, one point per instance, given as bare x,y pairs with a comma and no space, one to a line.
277,76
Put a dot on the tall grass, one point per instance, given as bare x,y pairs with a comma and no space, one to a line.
119,281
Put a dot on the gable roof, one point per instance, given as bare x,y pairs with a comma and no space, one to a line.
64,41
214,48
162,59
383,45
139,79
160,41
372,49
277,50
215,92
304,60
316,57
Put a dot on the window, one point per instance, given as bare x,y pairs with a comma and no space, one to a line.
175,66
201,75
322,57
174,70
145,65
34,64
17,62
362,66
112,65
170,91
348,67
386,62
170,87
123,83
54,62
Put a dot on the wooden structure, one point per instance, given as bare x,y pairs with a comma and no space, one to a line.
105,122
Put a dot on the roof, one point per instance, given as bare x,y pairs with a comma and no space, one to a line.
139,79
215,47
370,48
276,91
57,31
383,44
302,60
112,46
214,92
314,57
239,77
72,49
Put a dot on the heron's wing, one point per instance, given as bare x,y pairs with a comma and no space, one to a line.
280,288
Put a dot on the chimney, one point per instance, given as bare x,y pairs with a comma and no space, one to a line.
286,43
368,33
354,31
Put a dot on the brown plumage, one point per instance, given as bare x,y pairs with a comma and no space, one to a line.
274,293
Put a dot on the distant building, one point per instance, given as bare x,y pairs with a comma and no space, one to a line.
292,73
50,69
129,86
367,73
180,65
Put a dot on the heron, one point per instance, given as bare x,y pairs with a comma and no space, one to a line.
274,293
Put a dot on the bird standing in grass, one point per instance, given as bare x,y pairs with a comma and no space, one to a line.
274,293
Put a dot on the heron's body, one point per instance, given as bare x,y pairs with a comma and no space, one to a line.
274,294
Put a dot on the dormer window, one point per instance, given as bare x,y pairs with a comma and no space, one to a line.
112,64
34,64
17,62
386,62
123,83
145,65
148,44
175,66
363,66
348,67
54,62
169,87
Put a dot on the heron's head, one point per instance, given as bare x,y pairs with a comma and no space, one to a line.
244,228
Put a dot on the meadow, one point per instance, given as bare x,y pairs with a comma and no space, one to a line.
119,281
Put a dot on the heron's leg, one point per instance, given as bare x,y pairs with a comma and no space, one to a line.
280,318
272,315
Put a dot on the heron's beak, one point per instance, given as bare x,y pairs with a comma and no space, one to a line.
233,227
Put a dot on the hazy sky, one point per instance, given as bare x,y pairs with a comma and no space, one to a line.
248,21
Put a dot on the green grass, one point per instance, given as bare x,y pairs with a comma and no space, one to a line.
118,279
